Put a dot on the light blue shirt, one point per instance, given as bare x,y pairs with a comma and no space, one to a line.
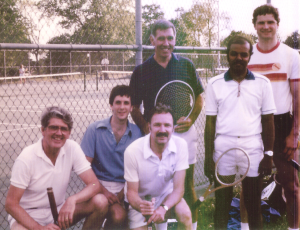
100,143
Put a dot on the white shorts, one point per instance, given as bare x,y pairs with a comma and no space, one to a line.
253,145
41,215
113,187
190,137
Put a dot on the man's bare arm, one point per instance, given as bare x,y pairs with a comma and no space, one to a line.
268,136
12,206
209,137
92,188
184,126
139,120
292,139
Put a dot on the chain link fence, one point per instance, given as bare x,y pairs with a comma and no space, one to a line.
71,72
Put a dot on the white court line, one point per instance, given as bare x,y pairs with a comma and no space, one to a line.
20,124
11,130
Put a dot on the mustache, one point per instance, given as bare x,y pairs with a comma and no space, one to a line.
162,135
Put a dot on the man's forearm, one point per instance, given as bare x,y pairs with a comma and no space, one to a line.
295,90
209,136
197,108
268,132
87,193
139,120
134,200
21,216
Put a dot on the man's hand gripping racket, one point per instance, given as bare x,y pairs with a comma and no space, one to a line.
239,169
179,96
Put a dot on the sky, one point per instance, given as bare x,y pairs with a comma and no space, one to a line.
240,12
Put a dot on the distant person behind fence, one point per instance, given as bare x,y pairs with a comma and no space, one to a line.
22,74
48,163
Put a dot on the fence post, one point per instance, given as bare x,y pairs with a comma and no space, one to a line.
97,80
138,32
84,81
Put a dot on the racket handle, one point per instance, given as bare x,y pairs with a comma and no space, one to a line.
52,205
148,198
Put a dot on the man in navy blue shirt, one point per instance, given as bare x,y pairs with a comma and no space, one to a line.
162,67
104,143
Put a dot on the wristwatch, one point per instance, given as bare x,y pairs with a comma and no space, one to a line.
165,207
269,153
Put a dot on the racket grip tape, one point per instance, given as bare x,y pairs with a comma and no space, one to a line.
52,205
148,198
295,164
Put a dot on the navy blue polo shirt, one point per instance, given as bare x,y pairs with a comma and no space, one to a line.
149,77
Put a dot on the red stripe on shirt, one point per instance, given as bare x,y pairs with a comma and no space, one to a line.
260,67
293,80
276,76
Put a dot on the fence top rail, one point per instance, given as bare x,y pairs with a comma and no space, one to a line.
88,47
83,47
42,75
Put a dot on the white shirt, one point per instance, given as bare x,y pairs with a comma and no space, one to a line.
155,176
280,65
239,106
34,172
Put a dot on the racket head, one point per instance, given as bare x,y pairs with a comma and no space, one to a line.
232,166
179,96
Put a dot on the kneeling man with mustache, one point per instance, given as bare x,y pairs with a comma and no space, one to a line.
155,166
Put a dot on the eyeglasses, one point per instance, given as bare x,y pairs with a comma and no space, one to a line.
55,128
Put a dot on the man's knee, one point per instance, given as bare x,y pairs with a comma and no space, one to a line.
100,203
183,213
117,215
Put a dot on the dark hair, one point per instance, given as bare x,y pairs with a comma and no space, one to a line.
162,24
56,112
119,90
265,9
158,109
241,40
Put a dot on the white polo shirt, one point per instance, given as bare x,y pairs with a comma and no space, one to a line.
281,65
34,172
155,176
239,106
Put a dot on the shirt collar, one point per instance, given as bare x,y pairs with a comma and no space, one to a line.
173,58
106,124
249,76
41,153
171,148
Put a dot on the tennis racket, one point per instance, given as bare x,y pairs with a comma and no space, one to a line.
238,171
179,96
150,226
52,205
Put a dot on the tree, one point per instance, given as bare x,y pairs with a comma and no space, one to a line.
150,14
293,40
93,21
201,23
13,29
253,38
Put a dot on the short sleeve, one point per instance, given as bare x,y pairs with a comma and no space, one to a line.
295,72
88,143
211,105
130,166
135,87
80,163
183,157
268,104
20,175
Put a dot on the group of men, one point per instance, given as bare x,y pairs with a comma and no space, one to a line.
122,164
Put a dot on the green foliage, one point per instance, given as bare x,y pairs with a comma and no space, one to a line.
150,14
293,40
253,38
94,21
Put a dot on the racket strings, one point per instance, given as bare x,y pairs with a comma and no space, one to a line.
179,97
232,166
